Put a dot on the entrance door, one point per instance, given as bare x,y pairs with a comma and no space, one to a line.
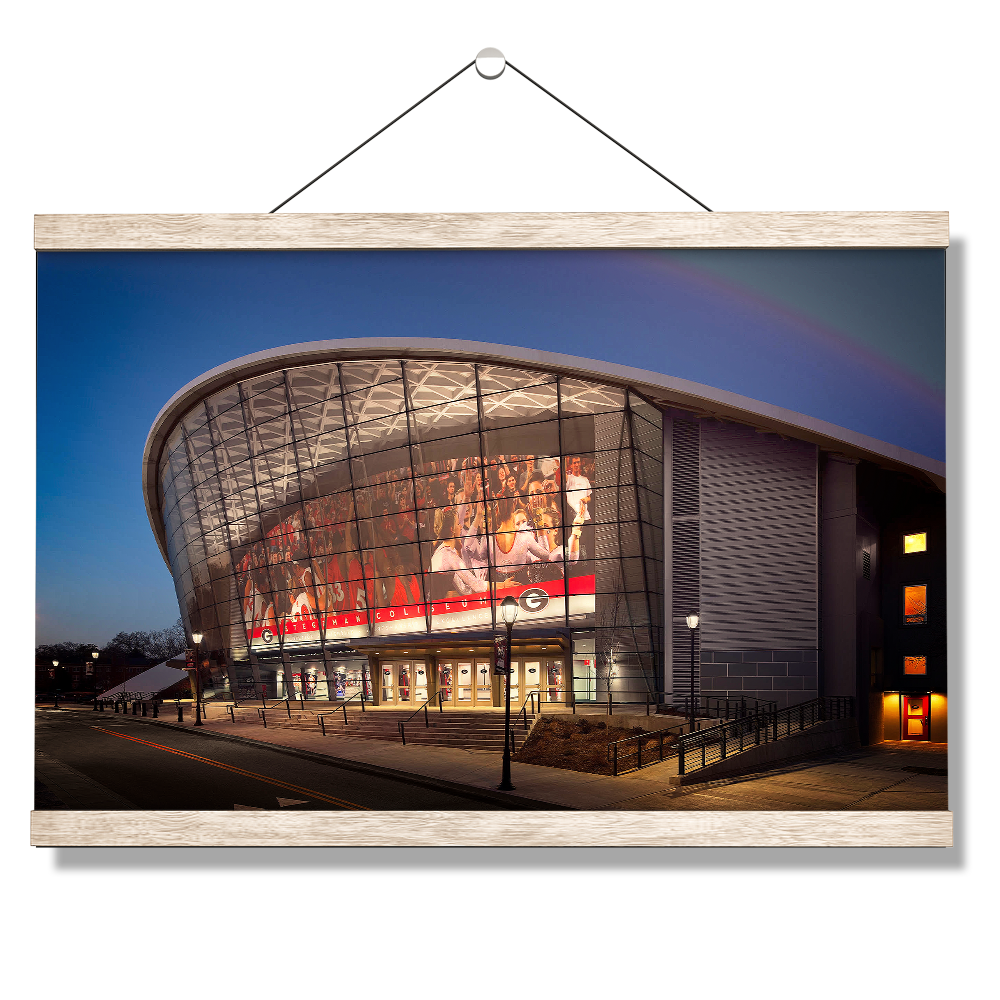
531,671
419,682
484,683
916,716
466,682
404,682
446,681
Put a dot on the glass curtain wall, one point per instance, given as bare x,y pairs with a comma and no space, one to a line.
335,501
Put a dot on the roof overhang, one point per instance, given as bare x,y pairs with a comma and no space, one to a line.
664,390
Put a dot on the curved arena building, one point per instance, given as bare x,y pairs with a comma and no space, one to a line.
345,516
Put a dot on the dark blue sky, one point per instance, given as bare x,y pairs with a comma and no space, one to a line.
851,336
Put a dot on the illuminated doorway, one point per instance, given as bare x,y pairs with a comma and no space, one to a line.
916,716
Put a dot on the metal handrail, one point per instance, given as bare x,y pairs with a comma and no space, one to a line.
439,697
612,755
732,735
524,711
727,708
321,716
722,740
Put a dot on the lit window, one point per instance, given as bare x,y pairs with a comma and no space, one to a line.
914,664
915,604
915,543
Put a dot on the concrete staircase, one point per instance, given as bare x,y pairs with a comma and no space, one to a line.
467,730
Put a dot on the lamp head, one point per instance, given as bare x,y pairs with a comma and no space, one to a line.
94,655
55,663
196,637
508,610
692,621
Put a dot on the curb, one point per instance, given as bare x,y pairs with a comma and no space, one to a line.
515,802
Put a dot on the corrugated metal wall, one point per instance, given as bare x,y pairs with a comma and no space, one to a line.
685,509
758,539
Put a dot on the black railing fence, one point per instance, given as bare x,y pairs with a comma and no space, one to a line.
742,730
712,707
697,750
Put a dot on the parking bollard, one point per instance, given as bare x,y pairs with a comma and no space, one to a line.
116,708
144,710
156,710
180,712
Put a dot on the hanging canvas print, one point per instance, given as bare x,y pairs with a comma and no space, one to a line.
495,529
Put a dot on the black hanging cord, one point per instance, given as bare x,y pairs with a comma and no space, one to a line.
606,136
528,78
369,139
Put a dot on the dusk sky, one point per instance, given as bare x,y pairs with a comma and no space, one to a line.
855,337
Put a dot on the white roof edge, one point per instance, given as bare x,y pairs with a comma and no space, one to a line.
689,394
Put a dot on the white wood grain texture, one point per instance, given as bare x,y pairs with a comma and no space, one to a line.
526,230
57,828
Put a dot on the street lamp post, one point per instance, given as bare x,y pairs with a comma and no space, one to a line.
94,654
692,624
196,638
55,670
508,611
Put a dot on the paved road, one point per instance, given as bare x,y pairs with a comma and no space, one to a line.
91,761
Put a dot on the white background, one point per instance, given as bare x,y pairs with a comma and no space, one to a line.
229,107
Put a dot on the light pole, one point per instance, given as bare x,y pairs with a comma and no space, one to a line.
94,654
692,624
508,611
55,670
196,638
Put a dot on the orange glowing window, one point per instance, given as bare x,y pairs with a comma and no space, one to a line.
915,543
914,664
915,604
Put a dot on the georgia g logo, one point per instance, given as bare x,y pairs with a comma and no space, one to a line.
533,599
267,635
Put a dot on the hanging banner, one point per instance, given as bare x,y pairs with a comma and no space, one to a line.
500,648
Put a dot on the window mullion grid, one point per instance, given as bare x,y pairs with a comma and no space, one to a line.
563,498
424,579
488,518
321,619
642,549
229,535
256,493
354,501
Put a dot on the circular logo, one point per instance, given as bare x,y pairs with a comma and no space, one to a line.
267,635
533,599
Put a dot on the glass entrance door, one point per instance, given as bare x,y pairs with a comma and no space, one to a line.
404,678
466,683
419,682
484,683
531,671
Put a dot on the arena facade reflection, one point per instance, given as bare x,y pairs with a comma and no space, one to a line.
346,516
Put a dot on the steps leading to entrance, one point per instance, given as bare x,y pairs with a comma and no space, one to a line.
468,730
